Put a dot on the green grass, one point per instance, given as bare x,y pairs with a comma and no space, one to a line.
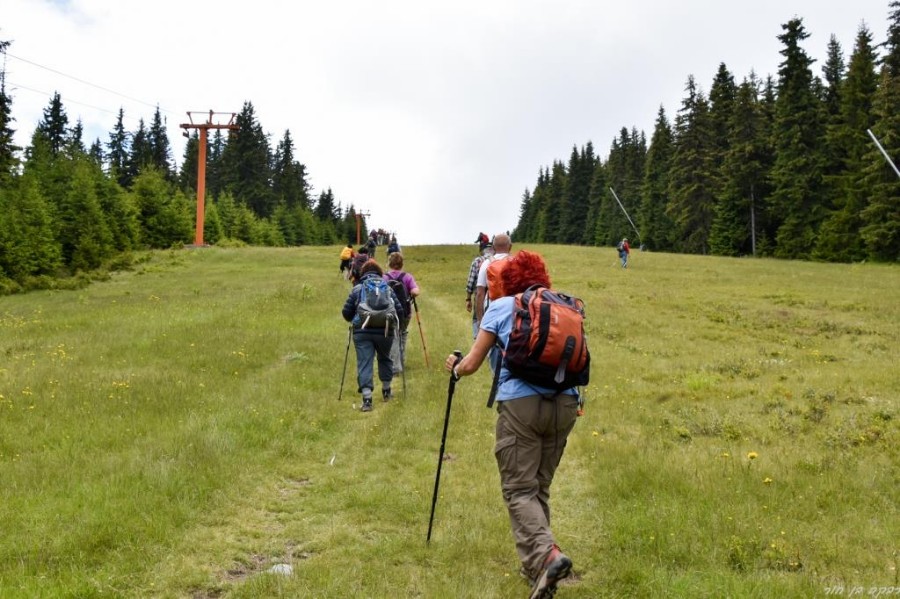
176,431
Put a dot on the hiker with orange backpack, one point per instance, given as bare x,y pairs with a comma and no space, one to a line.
534,416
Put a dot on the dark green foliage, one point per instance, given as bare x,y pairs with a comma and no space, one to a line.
53,128
289,184
577,188
657,229
246,165
117,152
159,148
692,178
165,217
798,134
28,246
84,233
743,175
187,176
325,210
624,173
140,157
880,228
8,149
839,237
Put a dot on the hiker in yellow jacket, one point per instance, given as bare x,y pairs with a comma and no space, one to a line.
347,255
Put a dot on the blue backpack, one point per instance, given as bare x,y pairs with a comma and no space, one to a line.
376,305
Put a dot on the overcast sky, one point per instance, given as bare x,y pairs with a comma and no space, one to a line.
432,116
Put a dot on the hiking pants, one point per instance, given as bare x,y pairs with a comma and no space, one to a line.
398,348
530,438
368,344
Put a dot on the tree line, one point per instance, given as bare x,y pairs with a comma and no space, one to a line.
67,209
782,167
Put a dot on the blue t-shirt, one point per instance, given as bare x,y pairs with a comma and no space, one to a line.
498,319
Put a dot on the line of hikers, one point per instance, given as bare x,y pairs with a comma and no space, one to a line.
379,309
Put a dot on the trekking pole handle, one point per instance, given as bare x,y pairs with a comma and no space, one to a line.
453,374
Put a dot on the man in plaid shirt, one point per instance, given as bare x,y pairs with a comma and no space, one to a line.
486,252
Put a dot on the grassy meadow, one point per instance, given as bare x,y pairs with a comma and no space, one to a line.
177,431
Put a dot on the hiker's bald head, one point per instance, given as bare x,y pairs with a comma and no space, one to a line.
502,243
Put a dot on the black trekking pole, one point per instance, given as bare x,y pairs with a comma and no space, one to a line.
346,355
421,332
437,477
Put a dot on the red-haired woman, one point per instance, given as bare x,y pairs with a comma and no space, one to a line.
533,424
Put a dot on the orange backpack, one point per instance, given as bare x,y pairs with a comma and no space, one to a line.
494,282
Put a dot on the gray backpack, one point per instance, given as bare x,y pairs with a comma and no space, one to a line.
376,305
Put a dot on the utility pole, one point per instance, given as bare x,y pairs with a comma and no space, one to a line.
201,160
359,217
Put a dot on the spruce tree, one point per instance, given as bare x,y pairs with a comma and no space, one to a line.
692,178
8,149
798,137
289,183
75,143
165,217
187,176
744,174
839,237
140,157
84,232
28,246
881,218
246,164
574,201
54,127
118,151
160,149
657,229
593,228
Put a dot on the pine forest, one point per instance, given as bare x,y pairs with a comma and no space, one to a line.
794,165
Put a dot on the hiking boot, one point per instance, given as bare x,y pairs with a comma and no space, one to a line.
387,394
556,567
366,404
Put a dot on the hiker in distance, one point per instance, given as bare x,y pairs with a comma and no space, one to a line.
357,262
533,424
484,253
347,255
624,251
393,246
371,309
405,288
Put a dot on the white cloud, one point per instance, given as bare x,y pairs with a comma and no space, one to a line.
434,117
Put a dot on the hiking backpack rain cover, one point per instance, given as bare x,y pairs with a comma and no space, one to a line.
547,346
376,305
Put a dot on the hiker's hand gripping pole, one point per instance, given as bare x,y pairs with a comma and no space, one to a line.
437,477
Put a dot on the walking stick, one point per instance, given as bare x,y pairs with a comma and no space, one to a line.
437,477
421,332
346,355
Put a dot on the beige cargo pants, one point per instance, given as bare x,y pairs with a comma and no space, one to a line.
530,439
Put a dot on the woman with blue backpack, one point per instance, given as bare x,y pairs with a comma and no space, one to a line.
372,310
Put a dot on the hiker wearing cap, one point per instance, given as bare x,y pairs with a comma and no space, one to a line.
484,253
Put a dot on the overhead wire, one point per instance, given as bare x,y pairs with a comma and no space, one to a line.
100,87
68,100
